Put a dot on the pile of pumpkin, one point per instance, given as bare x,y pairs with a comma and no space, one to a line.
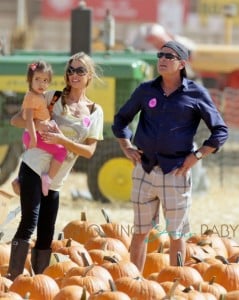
92,262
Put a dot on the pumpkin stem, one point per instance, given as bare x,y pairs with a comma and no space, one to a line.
171,292
83,296
208,232
160,248
198,259
106,216
112,259
212,280
83,216
27,296
188,289
222,259
60,236
84,258
88,268
204,243
69,242
179,259
112,285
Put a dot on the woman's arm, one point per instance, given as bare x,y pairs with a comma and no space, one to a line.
86,150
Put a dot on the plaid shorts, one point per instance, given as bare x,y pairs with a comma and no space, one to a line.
172,192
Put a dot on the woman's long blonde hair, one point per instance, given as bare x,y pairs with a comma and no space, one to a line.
88,63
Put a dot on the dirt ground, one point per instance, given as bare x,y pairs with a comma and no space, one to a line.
217,208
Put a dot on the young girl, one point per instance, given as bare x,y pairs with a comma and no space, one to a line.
34,106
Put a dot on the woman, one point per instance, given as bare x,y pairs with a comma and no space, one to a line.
38,210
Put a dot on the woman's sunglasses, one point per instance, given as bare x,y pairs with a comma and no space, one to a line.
81,71
169,56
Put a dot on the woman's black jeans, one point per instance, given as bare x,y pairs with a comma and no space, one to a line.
37,210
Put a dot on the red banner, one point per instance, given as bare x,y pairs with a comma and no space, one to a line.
55,9
123,10
126,10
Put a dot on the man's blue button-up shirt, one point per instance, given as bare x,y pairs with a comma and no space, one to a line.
167,124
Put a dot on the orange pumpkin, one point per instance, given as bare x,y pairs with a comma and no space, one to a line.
187,275
227,275
5,283
72,292
156,239
109,295
91,283
59,269
77,254
9,296
116,230
232,295
155,262
109,244
39,286
210,287
98,255
121,268
140,288
81,230
92,270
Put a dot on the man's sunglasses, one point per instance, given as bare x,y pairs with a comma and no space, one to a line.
169,56
81,71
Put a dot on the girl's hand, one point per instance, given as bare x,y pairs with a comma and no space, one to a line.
53,137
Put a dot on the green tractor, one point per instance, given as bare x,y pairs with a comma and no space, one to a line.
108,172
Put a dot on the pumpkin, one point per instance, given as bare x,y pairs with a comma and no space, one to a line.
92,270
172,288
140,288
77,254
9,296
39,286
109,295
116,230
155,262
187,275
98,255
91,283
121,268
81,230
59,269
210,287
72,292
109,244
232,295
157,238
62,242
5,283
113,294
227,274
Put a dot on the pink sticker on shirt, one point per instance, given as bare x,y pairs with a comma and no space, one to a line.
86,121
152,102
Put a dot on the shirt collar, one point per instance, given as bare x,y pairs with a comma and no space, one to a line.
157,82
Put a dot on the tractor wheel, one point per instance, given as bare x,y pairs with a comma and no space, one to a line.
109,174
9,158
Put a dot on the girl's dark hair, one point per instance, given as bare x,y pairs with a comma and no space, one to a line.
38,66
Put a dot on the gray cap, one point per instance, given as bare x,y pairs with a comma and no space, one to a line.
182,51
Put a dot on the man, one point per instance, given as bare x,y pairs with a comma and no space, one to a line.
171,107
